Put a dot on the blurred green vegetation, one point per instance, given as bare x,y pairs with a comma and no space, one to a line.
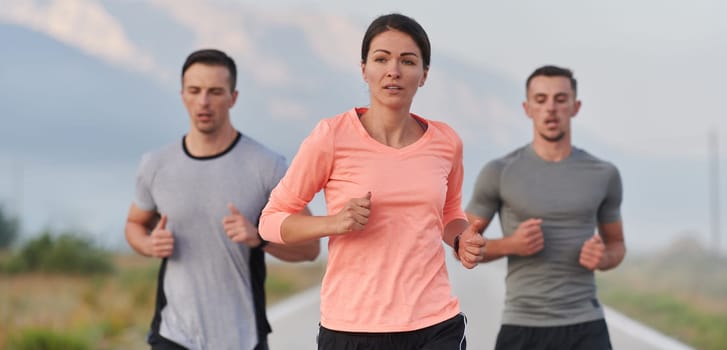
9,229
681,291
43,339
63,253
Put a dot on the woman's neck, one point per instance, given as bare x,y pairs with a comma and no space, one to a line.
394,128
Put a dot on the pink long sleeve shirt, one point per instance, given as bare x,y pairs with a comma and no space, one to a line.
391,276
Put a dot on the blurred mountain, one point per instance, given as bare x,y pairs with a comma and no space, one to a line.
103,73
68,106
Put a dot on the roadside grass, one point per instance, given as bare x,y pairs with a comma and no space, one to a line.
285,279
682,292
104,312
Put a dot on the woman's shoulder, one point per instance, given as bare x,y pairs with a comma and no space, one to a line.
443,128
328,130
341,120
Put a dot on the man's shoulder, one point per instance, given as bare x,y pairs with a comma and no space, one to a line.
509,157
587,157
163,152
251,148
494,168
153,160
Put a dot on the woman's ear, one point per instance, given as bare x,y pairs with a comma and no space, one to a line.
424,78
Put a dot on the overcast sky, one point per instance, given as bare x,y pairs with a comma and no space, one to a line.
651,73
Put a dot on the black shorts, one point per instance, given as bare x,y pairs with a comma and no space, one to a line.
591,335
161,343
446,335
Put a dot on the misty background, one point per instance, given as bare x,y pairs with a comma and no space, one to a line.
88,86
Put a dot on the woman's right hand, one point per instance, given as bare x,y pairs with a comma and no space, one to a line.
354,216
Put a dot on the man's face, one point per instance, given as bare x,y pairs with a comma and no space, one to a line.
207,96
551,103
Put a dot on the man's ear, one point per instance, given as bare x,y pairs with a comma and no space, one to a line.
526,108
577,107
234,98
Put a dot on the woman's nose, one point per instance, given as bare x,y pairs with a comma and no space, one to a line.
394,71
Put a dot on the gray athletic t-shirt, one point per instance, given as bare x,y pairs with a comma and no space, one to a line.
572,197
209,284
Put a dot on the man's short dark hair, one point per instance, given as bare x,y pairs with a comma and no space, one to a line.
553,71
213,57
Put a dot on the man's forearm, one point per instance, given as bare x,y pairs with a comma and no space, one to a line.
612,256
138,238
496,249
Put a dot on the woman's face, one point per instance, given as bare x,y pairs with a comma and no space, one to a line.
394,69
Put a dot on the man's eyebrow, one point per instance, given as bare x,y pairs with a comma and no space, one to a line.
557,94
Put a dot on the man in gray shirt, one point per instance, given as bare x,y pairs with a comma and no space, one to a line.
550,197
197,206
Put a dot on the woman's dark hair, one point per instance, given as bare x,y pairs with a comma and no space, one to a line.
404,24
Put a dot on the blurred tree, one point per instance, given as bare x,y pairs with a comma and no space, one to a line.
61,253
9,229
